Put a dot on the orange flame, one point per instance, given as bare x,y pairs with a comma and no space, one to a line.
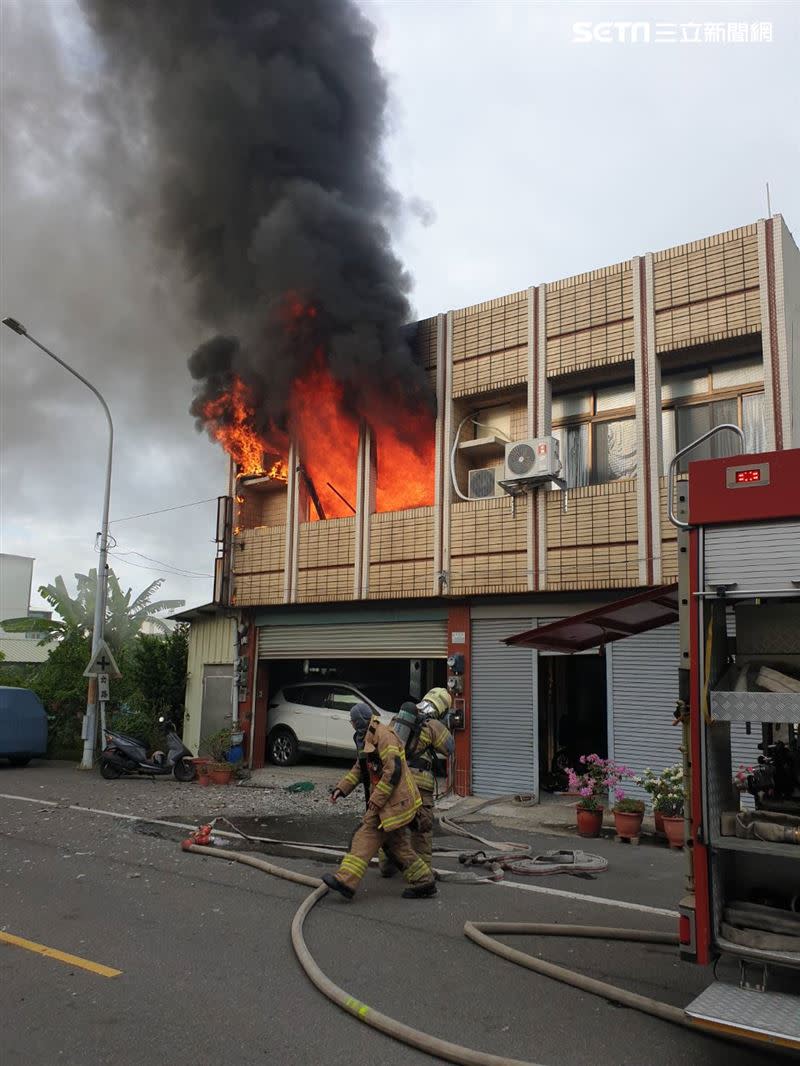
230,418
405,471
327,436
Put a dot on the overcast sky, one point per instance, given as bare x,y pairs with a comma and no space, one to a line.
538,156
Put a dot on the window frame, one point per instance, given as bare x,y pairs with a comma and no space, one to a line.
592,418
711,395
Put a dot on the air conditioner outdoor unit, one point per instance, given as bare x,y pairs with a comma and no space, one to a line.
483,483
532,462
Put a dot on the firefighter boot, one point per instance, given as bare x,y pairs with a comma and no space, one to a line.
337,886
421,891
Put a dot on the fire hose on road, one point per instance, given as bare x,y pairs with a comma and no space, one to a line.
479,933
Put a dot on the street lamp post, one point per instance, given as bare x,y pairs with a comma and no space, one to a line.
98,630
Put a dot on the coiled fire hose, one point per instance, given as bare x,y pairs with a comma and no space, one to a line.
478,932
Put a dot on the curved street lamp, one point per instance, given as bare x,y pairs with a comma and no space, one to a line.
98,631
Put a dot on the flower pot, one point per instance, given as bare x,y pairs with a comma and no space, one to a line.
589,822
659,820
628,823
203,779
219,776
673,827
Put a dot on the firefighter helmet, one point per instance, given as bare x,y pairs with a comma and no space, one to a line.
437,701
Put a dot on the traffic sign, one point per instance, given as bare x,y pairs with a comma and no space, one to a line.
103,693
102,662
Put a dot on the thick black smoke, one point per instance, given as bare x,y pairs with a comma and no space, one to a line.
248,134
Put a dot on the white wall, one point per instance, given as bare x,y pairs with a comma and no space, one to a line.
16,578
210,641
790,321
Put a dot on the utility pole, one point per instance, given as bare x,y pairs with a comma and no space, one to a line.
98,629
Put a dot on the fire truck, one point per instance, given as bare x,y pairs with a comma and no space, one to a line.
738,521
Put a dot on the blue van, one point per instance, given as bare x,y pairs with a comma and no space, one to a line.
23,725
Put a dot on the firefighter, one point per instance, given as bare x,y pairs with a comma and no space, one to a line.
428,738
393,804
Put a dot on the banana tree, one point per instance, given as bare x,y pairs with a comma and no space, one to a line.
125,615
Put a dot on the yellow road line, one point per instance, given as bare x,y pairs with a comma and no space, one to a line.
60,956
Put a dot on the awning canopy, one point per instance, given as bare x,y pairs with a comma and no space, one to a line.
623,618
198,614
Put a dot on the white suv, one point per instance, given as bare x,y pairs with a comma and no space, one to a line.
314,716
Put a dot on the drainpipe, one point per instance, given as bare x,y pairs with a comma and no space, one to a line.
237,619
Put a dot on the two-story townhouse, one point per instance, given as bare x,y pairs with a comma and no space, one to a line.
623,365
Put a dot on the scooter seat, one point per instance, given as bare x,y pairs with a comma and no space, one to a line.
140,741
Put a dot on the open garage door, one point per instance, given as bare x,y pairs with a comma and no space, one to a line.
363,640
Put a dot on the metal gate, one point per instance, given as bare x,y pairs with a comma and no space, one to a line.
350,640
503,713
644,690
217,708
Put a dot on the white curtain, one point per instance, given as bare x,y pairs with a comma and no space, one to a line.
614,450
573,442
754,422
692,422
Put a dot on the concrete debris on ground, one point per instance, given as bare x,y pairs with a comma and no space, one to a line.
264,795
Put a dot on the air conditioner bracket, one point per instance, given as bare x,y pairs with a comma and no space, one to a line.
520,486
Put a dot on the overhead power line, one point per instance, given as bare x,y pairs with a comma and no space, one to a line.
163,510
171,566
162,570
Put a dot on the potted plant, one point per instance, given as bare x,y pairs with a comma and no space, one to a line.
220,773
654,785
202,765
670,803
592,782
628,815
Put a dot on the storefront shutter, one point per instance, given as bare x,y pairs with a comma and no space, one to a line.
503,712
644,683
361,640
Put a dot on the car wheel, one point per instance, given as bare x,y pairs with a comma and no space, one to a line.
283,748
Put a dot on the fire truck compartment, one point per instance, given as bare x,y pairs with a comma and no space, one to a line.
751,659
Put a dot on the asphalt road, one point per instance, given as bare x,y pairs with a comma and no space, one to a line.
208,973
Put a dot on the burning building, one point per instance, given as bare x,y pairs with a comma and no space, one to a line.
392,499
442,557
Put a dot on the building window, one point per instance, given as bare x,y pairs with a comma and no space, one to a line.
596,431
695,402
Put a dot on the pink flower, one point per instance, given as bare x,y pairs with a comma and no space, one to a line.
586,791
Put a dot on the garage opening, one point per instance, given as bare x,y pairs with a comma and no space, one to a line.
311,699
573,719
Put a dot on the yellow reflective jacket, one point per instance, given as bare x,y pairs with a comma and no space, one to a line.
394,794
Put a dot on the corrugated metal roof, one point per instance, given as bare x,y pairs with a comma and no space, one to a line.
20,650
622,618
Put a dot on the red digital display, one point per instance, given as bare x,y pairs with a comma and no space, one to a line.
747,477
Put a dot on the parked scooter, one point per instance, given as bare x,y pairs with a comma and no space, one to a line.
127,755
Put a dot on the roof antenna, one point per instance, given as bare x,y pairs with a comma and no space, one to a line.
769,208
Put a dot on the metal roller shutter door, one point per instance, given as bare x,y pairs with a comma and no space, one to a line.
375,640
644,685
764,556
503,713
